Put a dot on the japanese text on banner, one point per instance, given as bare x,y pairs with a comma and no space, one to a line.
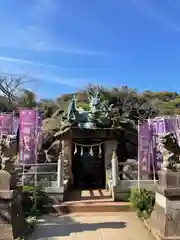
28,132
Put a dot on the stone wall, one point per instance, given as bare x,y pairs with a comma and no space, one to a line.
123,188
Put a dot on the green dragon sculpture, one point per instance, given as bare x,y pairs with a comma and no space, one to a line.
97,116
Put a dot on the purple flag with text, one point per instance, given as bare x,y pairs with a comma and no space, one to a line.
6,121
39,129
159,127
145,148
28,132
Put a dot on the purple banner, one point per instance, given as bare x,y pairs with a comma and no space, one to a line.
163,125
28,136
157,154
171,124
39,129
178,122
158,125
145,149
15,125
6,121
150,156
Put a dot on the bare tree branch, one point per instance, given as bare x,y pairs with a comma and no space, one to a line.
11,84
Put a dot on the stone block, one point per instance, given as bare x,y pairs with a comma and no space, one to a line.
5,179
166,214
12,219
169,179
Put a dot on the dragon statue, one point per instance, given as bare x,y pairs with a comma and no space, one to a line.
171,152
98,115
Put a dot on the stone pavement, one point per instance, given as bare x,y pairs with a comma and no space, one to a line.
104,226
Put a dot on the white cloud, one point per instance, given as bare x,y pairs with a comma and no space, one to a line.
30,29
39,72
28,62
69,81
35,38
151,11
61,48
42,11
47,66
36,77
46,5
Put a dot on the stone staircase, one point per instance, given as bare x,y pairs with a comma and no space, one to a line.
90,201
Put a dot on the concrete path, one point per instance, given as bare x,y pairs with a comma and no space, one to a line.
105,226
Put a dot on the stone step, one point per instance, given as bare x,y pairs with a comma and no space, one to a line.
91,207
88,201
93,194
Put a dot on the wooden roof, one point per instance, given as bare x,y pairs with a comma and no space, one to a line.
76,132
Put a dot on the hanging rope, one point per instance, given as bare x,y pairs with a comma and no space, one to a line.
88,146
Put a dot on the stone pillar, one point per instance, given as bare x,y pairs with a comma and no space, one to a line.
67,147
114,175
12,218
114,169
60,170
166,214
109,147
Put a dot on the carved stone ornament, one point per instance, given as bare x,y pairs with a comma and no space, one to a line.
171,152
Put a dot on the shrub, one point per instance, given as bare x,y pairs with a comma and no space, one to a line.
142,201
33,200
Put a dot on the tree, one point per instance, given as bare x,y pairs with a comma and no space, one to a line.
27,99
10,86
48,106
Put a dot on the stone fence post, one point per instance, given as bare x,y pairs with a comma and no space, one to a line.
114,169
60,170
114,173
12,218
166,214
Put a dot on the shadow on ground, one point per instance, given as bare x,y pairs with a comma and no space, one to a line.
64,226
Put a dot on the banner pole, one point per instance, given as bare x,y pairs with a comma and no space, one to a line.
138,158
35,149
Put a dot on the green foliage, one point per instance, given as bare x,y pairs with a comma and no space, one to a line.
84,105
33,200
27,99
48,106
130,104
142,201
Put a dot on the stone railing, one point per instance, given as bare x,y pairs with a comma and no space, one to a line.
124,177
44,174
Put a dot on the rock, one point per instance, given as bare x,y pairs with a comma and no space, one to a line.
8,165
58,113
171,152
50,124
5,178
131,169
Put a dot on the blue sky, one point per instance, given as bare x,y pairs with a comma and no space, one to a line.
67,44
